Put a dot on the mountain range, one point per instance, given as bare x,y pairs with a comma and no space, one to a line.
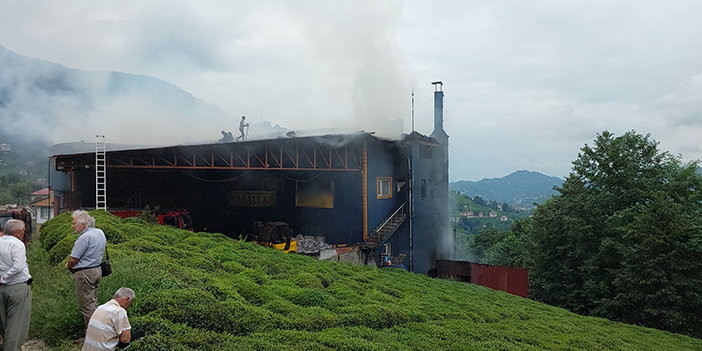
53,103
520,189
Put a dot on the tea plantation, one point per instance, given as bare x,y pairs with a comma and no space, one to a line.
200,291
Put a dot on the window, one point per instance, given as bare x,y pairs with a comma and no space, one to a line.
44,213
384,187
424,189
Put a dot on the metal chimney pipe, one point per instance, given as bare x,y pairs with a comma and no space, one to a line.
439,134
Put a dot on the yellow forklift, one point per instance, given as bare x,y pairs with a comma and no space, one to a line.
277,235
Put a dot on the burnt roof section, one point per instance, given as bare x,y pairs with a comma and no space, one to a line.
421,138
333,152
328,139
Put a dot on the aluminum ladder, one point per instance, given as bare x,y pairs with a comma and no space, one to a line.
100,174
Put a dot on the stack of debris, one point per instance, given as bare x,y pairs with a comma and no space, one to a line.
310,245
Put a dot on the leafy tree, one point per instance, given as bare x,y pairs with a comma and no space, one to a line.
486,239
479,200
14,187
512,248
623,238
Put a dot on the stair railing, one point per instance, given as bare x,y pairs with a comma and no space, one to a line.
401,210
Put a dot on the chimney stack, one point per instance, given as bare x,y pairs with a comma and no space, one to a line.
439,134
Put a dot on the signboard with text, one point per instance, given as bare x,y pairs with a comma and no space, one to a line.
253,198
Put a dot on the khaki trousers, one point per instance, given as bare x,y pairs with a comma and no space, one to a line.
15,312
86,283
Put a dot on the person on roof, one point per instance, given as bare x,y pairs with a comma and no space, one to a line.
242,124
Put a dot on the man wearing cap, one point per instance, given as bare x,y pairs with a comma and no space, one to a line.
242,124
15,290
85,260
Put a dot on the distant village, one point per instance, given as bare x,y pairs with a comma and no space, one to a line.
491,214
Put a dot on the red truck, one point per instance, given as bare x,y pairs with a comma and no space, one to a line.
21,214
179,218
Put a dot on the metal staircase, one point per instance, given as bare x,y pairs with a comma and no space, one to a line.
100,174
386,229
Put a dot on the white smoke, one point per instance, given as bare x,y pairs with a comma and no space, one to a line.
359,41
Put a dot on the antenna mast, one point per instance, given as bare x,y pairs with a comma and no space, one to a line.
413,108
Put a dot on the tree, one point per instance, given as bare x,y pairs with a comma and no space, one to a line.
484,240
15,189
623,238
514,249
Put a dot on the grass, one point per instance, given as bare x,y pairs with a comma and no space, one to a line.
199,291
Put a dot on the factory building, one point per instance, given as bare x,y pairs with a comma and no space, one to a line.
378,195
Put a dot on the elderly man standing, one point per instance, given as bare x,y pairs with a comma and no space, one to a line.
85,262
109,325
15,291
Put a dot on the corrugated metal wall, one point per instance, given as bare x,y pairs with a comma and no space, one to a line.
512,280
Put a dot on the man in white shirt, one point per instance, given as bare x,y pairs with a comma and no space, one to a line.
15,292
109,324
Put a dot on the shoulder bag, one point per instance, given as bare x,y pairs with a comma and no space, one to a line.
105,265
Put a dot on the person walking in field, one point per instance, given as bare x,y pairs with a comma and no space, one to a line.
15,290
85,260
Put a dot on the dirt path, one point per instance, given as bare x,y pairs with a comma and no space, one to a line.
35,345
38,345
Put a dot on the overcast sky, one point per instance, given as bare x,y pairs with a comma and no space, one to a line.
527,83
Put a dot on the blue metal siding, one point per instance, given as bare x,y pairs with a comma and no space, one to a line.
380,164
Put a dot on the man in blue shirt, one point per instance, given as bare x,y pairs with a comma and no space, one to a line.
15,292
85,260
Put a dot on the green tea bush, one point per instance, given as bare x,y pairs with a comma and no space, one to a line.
113,232
281,306
53,231
135,220
307,280
62,249
313,319
233,267
201,262
200,291
134,230
204,310
142,245
310,297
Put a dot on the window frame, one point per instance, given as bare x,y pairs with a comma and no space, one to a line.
379,187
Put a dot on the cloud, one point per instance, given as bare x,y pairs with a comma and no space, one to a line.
526,83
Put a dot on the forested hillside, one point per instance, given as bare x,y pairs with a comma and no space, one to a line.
50,103
201,291
23,168
520,189
622,239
